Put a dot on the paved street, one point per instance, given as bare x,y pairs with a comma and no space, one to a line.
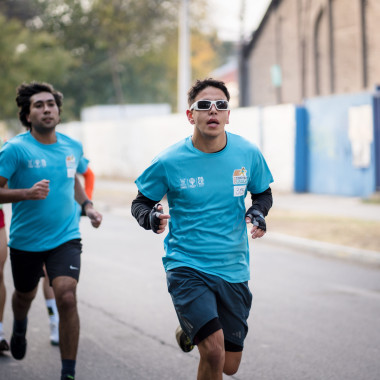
312,318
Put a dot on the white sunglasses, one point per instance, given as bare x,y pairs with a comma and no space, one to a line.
205,105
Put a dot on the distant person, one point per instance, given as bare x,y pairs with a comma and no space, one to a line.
206,178
4,346
39,167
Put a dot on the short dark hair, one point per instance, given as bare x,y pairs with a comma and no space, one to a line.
25,91
200,85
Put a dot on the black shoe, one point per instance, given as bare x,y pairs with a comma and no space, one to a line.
4,346
18,345
183,340
67,377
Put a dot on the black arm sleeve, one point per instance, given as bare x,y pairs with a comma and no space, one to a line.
262,201
141,208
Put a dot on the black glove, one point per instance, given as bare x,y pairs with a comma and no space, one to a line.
154,218
257,218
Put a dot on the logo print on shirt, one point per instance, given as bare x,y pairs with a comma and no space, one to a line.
183,183
240,176
37,163
71,167
191,182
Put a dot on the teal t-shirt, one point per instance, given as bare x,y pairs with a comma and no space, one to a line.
206,196
40,225
83,165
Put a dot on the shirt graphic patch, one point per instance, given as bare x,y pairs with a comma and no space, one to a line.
240,176
192,182
71,166
239,191
37,163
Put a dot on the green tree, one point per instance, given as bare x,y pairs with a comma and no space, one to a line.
27,56
115,51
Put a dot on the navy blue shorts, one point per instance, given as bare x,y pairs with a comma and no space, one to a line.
27,267
199,297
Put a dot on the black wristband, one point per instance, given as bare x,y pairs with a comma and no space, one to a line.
84,204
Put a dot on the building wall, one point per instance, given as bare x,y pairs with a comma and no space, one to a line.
289,52
319,47
319,72
347,43
260,86
373,42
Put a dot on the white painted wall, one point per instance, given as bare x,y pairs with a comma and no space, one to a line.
123,148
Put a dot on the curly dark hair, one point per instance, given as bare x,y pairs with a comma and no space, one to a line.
26,91
200,85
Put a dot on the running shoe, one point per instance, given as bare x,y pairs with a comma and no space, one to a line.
18,345
183,340
67,377
54,334
4,346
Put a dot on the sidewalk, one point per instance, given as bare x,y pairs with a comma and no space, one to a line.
334,206
352,207
121,193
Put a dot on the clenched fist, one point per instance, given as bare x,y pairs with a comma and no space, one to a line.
39,190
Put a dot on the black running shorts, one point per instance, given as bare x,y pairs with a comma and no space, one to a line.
27,267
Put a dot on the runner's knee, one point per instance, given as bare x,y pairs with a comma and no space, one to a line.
211,349
26,297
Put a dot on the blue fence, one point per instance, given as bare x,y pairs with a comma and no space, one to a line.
324,149
376,122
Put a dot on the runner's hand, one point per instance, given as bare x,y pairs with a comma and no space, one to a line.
158,220
95,216
39,190
257,219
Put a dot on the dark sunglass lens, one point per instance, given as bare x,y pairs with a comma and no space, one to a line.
221,105
204,104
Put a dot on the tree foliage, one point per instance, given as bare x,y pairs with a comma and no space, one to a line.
99,52
27,56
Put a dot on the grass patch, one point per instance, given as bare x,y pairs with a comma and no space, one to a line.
375,199
345,231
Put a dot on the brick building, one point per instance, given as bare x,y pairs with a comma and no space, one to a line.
307,48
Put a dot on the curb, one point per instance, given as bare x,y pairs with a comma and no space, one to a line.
325,249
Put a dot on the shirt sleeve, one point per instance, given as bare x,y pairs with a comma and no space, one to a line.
8,160
153,182
260,177
83,164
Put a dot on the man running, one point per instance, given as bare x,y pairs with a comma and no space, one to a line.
39,167
206,178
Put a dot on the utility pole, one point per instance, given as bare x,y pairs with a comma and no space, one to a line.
184,69
243,65
242,20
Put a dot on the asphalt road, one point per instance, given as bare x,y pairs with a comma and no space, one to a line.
312,317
